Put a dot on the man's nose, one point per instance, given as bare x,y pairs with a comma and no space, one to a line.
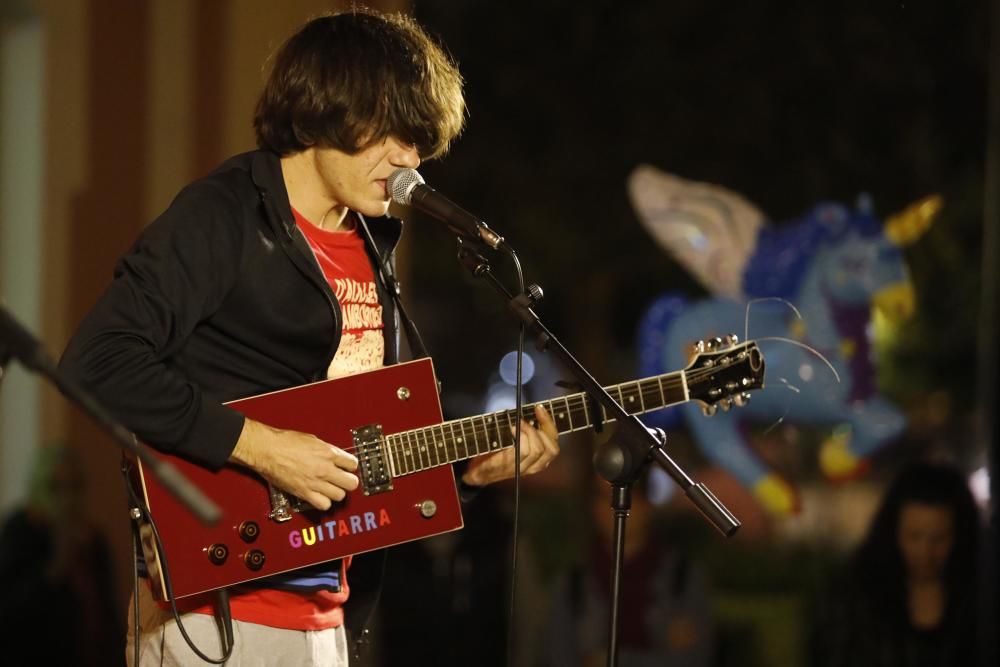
406,155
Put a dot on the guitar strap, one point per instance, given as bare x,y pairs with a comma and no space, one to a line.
388,278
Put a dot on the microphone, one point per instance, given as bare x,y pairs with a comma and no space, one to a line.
407,186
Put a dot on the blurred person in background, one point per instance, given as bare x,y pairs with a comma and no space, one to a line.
665,614
58,604
910,596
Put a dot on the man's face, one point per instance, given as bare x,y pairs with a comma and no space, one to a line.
358,181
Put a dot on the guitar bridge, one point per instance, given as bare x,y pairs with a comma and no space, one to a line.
375,474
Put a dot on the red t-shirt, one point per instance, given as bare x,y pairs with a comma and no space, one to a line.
346,266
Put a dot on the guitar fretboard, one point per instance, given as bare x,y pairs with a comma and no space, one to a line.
460,439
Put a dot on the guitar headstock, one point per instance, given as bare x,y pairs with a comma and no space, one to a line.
723,372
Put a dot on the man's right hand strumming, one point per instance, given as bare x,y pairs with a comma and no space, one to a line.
297,463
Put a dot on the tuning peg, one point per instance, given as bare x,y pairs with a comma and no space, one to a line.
708,409
725,404
741,399
731,340
535,294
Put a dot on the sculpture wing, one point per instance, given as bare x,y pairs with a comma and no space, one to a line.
710,230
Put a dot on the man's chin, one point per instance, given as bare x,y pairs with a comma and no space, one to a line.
374,209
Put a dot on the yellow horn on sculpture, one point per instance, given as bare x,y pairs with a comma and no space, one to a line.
910,224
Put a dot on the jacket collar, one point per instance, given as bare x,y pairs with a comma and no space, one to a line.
265,170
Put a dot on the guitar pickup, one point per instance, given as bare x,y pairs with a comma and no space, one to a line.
376,477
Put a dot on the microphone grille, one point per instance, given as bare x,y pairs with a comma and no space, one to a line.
401,183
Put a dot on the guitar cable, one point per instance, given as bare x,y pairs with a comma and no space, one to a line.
140,512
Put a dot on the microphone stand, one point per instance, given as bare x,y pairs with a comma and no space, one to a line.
620,460
17,342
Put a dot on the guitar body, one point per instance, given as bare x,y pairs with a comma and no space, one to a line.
420,504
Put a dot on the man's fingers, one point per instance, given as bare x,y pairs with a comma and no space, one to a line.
546,423
343,459
343,479
317,500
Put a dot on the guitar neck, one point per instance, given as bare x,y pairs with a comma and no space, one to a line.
460,439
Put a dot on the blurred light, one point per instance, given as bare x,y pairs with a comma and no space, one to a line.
499,397
661,487
979,485
508,369
806,372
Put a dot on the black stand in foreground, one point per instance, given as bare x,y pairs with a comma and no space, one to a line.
620,461
18,343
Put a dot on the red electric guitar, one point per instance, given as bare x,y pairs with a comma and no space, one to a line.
391,420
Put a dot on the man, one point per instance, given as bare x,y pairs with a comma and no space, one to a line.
266,274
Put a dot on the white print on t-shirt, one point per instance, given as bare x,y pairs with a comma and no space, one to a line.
357,352
352,291
361,345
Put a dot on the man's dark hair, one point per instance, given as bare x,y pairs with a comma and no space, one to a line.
349,80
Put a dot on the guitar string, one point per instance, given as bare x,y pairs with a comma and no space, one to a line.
650,386
631,390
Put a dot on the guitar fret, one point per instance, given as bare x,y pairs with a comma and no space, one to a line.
459,440
647,391
415,450
422,457
426,447
633,398
408,453
425,450
491,444
472,438
451,442
440,445
507,434
469,436
568,416
494,419
388,449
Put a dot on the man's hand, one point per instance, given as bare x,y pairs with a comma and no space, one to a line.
539,446
297,463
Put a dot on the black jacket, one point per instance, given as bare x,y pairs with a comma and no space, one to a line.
219,298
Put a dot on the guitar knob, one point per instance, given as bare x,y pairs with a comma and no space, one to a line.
218,553
249,530
708,409
428,508
254,559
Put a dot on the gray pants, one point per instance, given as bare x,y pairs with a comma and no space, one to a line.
161,643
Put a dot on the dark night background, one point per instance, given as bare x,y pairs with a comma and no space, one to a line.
787,103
